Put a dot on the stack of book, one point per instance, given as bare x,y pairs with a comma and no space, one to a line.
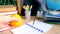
7,9
52,17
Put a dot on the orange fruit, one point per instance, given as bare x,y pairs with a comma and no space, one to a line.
16,23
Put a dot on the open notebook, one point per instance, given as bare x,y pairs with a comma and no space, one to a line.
38,28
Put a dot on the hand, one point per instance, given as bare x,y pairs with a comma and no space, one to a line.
4,21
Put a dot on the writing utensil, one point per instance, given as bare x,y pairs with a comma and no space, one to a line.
26,7
34,22
30,7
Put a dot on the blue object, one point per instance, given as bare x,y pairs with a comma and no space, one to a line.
53,4
35,28
53,16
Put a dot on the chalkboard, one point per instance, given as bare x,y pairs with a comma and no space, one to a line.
8,2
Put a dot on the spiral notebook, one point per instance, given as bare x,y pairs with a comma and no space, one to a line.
38,28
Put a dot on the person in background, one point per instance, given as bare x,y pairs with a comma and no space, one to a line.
36,5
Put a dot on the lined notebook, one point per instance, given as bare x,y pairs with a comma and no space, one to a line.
38,28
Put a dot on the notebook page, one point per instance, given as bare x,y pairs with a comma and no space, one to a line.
38,28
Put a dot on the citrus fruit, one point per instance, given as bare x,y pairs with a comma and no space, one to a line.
16,23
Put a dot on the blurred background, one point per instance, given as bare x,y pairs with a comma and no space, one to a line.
36,5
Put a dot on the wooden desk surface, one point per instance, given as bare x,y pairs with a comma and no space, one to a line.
54,30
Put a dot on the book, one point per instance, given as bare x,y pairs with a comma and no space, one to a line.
38,28
7,10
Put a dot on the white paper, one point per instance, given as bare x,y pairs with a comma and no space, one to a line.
41,25
25,29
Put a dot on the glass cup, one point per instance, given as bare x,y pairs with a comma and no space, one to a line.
27,15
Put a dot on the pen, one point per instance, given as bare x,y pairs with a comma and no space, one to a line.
34,22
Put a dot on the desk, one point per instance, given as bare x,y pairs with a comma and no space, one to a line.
54,30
